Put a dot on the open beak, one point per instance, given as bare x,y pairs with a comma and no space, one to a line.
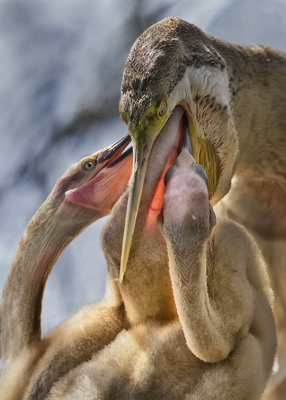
143,140
110,153
142,146
109,180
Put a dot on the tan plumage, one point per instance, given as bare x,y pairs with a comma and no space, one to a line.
174,63
234,99
204,331
221,88
76,201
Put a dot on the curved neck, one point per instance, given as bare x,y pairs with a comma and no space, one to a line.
48,233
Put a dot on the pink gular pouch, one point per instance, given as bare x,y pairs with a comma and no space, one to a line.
105,188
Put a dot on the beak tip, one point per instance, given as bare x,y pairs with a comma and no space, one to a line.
122,271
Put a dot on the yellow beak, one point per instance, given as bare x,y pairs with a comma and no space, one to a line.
142,146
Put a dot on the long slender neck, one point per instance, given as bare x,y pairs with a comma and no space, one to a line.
258,90
48,233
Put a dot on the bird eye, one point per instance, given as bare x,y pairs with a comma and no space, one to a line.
88,165
162,108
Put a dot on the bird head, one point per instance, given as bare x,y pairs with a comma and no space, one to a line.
93,185
174,64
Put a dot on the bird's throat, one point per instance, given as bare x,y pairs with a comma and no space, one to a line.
157,200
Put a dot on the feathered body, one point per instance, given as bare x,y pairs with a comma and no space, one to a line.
234,98
198,303
196,297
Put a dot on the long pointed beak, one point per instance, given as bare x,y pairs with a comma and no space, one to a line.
143,140
111,152
141,150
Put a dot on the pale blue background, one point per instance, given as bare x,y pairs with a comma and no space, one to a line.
60,66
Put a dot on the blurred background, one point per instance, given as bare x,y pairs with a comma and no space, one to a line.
61,67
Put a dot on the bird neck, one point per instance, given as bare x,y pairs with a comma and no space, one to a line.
258,91
47,235
146,289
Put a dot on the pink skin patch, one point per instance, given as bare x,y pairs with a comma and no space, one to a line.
186,196
103,191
